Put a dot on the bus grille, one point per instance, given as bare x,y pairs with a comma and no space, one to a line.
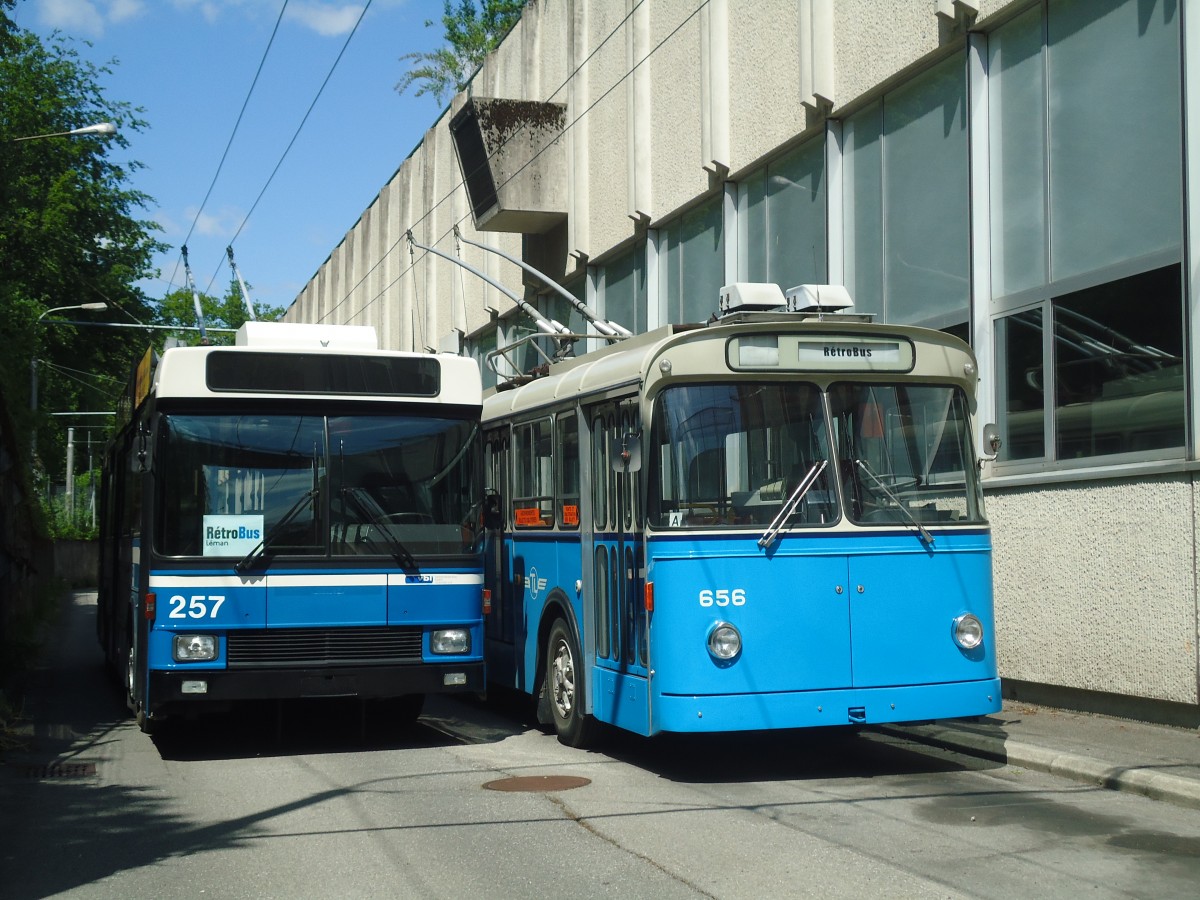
279,647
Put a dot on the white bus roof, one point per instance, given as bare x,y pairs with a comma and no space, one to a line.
300,336
182,372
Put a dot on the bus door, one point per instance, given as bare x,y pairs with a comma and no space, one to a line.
615,556
499,626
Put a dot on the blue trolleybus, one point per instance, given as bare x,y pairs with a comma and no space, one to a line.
770,521
297,515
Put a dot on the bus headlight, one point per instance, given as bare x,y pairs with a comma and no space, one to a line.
968,632
724,641
195,647
450,640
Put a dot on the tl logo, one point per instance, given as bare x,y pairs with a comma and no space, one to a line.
536,585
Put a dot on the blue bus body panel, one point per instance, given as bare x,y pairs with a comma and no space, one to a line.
548,567
299,601
208,601
859,623
442,599
622,700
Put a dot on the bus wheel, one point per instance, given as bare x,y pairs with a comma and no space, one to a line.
564,688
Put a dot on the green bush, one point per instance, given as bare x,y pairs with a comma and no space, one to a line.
72,525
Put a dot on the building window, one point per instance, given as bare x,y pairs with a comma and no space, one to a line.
1087,231
906,201
478,346
781,220
692,262
625,289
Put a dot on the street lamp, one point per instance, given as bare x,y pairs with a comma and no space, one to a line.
97,306
101,128
33,373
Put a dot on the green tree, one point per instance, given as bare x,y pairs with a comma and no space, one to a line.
71,232
474,28
179,308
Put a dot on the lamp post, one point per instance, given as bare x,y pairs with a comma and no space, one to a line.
33,372
100,128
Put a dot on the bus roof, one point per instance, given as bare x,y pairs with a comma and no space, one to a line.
693,356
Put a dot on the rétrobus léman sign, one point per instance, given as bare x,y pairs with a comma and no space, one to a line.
231,535
822,353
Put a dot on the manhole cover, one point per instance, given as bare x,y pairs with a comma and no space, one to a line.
61,770
534,783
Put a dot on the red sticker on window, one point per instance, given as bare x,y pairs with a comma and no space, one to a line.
527,516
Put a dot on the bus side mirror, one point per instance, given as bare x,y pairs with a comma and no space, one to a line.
627,452
140,458
991,442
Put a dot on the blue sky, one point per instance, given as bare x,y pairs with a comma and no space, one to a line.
190,64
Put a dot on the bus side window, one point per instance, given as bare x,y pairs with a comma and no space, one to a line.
533,490
599,474
567,494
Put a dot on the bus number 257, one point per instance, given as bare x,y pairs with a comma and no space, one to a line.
735,597
198,607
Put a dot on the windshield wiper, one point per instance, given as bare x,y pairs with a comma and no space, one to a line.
399,551
809,479
925,535
261,548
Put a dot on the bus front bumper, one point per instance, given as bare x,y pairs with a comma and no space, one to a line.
837,707
195,686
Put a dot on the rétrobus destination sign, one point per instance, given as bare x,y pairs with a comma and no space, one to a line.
823,353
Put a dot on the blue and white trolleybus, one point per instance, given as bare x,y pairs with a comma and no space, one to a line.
773,520
297,515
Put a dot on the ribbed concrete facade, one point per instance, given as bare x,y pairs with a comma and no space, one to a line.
886,145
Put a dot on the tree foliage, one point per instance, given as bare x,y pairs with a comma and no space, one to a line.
179,308
71,232
474,28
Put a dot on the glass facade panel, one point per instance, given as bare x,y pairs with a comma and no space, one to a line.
796,217
926,197
692,262
752,227
1114,109
862,168
625,290
1021,386
1017,100
702,262
1119,376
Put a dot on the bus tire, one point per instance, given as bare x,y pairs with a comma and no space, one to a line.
564,687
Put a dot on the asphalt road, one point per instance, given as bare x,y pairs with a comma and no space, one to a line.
311,800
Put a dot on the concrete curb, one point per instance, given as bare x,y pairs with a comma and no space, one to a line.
1077,767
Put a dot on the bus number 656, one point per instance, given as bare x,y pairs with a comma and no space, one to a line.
735,597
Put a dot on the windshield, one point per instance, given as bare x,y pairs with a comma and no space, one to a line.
733,454
391,486
742,454
905,454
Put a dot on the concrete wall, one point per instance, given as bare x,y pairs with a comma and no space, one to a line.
1096,581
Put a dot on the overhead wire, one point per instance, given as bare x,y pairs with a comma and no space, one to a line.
232,135
620,81
292,142
616,28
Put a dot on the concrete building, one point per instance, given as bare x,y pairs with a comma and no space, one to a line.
1017,172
